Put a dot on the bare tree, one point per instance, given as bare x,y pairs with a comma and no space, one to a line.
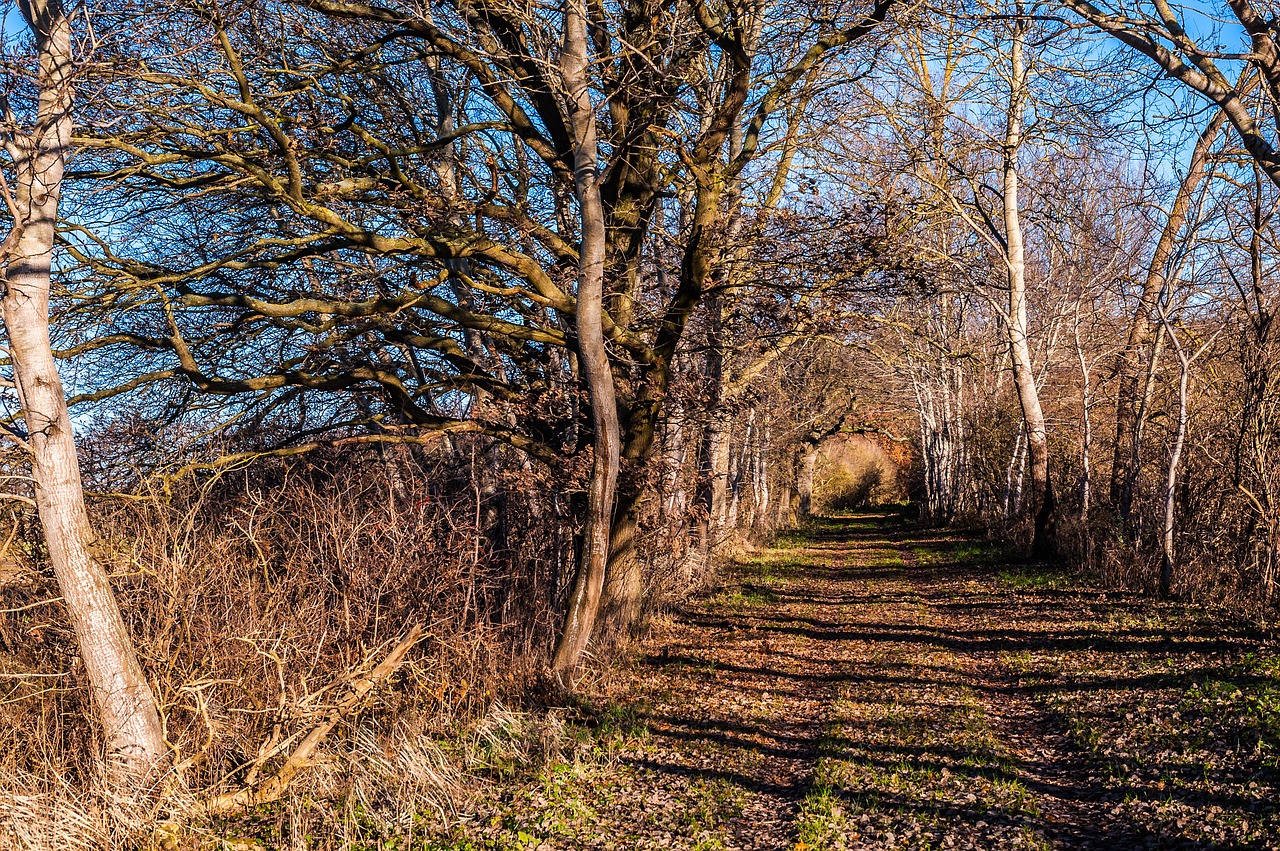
1134,392
970,172
126,708
1015,257
1165,36
1185,360
584,601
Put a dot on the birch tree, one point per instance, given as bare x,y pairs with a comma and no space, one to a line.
1186,358
1015,319
969,173
37,158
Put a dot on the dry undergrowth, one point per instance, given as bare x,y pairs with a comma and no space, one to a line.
377,785
863,686
255,599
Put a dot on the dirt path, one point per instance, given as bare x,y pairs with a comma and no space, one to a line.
870,685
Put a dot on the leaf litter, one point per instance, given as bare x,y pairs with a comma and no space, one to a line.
872,685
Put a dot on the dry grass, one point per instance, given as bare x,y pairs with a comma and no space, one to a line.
252,598
854,472
254,595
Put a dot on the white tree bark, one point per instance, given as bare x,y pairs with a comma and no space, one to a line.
1019,346
1185,360
126,708
938,388
1086,447
761,473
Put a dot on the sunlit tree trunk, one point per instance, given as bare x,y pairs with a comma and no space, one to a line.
760,474
944,442
674,452
1020,350
804,477
584,600
739,470
714,454
1132,361
1086,446
1185,360
125,705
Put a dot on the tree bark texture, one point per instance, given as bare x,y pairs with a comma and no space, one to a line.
123,699
1019,347
804,478
584,600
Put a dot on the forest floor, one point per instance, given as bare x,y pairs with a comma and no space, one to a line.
868,684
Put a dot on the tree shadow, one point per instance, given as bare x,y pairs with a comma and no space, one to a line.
790,649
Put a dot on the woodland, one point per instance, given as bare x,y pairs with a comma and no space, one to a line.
384,385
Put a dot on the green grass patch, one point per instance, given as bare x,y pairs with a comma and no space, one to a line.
961,552
820,820
624,720
1036,577
744,596
790,539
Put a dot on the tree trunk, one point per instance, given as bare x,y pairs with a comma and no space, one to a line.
804,480
713,461
944,443
714,478
786,516
1185,360
1171,485
1130,413
1129,491
584,601
739,469
125,705
674,453
1086,446
1024,379
761,475
623,594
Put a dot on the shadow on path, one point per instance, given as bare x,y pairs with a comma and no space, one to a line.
874,685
